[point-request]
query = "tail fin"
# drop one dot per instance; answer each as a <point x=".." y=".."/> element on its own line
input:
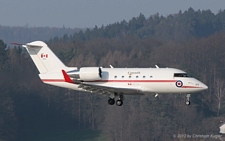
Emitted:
<point x="42" y="56"/>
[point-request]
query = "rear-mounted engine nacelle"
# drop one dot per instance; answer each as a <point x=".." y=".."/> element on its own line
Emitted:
<point x="86" y="73"/>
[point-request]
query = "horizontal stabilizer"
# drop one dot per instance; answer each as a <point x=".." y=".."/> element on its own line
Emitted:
<point x="32" y="45"/>
<point x="18" y="44"/>
<point x="27" y="45"/>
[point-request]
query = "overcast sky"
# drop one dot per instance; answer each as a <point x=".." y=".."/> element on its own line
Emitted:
<point x="88" y="13"/>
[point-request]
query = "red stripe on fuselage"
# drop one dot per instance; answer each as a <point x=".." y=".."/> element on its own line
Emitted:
<point x="62" y="80"/>
<point x="133" y="81"/>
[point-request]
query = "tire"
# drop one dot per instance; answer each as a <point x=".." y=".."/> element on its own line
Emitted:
<point x="111" y="101"/>
<point x="187" y="102"/>
<point x="119" y="102"/>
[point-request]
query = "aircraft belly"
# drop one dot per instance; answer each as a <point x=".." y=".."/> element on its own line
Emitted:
<point x="157" y="87"/>
<point x="112" y="85"/>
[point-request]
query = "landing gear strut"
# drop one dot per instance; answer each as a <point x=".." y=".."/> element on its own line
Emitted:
<point x="119" y="102"/>
<point x="188" y="99"/>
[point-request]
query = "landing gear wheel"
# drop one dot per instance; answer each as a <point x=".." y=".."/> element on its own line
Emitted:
<point x="188" y="103"/>
<point x="119" y="102"/>
<point x="111" y="101"/>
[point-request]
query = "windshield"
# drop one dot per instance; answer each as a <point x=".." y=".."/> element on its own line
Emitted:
<point x="181" y="75"/>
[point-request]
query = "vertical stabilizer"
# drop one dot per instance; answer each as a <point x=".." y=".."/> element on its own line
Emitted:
<point x="44" y="59"/>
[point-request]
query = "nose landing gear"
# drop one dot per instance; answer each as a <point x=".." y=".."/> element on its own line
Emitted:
<point x="188" y="99"/>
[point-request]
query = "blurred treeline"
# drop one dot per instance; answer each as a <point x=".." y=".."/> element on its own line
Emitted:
<point x="193" y="41"/>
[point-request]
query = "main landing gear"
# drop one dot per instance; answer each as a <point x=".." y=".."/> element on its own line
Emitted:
<point x="119" y="102"/>
<point x="188" y="99"/>
<point x="111" y="101"/>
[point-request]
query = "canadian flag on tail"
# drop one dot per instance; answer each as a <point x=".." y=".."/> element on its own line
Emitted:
<point x="44" y="56"/>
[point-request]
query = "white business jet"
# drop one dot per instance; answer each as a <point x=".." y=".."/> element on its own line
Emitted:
<point x="114" y="82"/>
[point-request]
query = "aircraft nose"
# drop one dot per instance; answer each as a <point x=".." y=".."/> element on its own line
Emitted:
<point x="205" y="87"/>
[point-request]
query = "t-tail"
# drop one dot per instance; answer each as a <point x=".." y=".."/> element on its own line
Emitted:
<point x="44" y="59"/>
<point x="48" y="64"/>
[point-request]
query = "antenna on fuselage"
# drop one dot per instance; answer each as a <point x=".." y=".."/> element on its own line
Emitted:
<point x="157" y="66"/>
<point x="111" y="66"/>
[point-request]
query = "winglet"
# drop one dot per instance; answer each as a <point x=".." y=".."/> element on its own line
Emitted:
<point x="66" y="77"/>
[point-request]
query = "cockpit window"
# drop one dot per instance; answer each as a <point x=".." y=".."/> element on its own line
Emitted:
<point x="181" y="75"/>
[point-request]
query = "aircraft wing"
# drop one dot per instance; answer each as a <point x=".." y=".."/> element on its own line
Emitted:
<point x="103" y="90"/>
<point x="109" y="90"/>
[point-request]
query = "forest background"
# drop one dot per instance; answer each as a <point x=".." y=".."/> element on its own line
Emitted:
<point x="193" y="41"/>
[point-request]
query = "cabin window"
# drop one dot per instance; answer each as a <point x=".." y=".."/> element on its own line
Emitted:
<point x="181" y="75"/>
<point x="129" y="76"/>
<point x="143" y="76"/>
<point x="136" y="76"/>
<point x="115" y="76"/>
<point x="122" y="76"/>
<point x="150" y="76"/>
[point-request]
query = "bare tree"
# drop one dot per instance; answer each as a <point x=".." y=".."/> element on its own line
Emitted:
<point x="219" y="92"/>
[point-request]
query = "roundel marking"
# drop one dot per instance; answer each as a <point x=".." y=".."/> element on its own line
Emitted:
<point x="179" y="83"/>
